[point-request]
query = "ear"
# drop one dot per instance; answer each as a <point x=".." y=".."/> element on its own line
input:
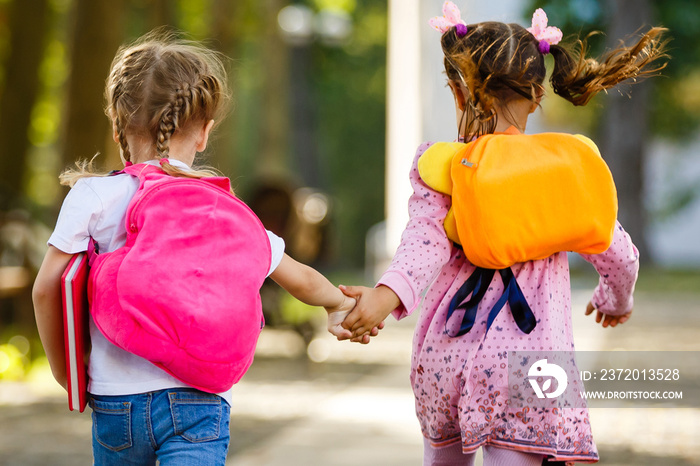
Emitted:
<point x="203" y="137"/>
<point x="115" y="133"/>
<point x="458" y="94"/>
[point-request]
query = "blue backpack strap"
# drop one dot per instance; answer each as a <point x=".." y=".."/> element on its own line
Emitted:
<point x="476" y="285"/>
<point x="519" y="308"/>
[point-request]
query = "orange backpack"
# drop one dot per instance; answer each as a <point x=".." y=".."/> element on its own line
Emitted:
<point x="517" y="197"/>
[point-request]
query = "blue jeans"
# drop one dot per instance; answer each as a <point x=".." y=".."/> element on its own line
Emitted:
<point x="179" y="426"/>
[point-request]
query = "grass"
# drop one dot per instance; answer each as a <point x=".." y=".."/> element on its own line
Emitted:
<point x="651" y="279"/>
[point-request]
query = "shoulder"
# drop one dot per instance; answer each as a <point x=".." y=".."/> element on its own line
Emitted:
<point x="588" y="141"/>
<point x="276" y="242"/>
<point x="434" y="164"/>
<point x="566" y="139"/>
<point x="276" y="250"/>
<point x="93" y="195"/>
<point x="107" y="187"/>
<point x="102" y="185"/>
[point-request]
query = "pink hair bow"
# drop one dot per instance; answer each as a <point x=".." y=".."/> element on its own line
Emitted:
<point x="450" y="17"/>
<point x="546" y="35"/>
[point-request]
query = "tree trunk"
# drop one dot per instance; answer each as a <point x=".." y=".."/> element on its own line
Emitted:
<point x="227" y="24"/>
<point x="625" y="126"/>
<point x="274" y="147"/>
<point x="162" y="13"/>
<point x="97" y="33"/>
<point x="27" y="25"/>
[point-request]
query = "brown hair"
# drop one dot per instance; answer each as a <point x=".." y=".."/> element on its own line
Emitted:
<point x="156" y="86"/>
<point x="497" y="62"/>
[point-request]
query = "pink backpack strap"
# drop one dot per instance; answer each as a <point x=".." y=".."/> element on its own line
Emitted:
<point x="93" y="249"/>
<point x="142" y="170"/>
<point x="145" y="172"/>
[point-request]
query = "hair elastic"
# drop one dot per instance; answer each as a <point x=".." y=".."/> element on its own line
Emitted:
<point x="450" y="18"/>
<point x="545" y="35"/>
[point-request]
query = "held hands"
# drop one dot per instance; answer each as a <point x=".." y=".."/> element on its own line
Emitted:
<point x="373" y="306"/>
<point x="607" y="320"/>
<point x="336" y="316"/>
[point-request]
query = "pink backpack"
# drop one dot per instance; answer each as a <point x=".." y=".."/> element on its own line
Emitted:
<point x="184" y="292"/>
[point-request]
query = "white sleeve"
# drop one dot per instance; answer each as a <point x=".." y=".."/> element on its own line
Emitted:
<point x="277" y="249"/>
<point x="80" y="210"/>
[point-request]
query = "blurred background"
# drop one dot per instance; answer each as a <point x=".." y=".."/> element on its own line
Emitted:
<point x="331" y="98"/>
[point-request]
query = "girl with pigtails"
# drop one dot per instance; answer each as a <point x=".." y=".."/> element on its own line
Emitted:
<point x="163" y="97"/>
<point x="483" y="255"/>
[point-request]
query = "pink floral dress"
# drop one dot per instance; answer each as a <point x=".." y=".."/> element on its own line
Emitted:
<point x="461" y="383"/>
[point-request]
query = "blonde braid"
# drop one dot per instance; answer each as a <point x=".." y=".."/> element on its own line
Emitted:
<point x="166" y="128"/>
<point x="121" y="136"/>
<point x="158" y="85"/>
<point x="179" y="110"/>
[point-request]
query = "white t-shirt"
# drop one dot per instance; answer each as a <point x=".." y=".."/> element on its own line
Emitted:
<point x="96" y="208"/>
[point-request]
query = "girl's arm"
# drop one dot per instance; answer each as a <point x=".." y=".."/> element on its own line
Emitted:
<point x="310" y="287"/>
<point x="423" y="251"/>
<point x="373" y="306"/>
<point x="46" y="295"/>
<point x="618" y="268"/>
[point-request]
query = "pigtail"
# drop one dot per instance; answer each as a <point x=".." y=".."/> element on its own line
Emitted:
<point x="480" y="112"/>
<point x="188" y="100"/>
<point x="121" y="137"/>
<point x="166" y="127"/>
<point x="578" y="79"/>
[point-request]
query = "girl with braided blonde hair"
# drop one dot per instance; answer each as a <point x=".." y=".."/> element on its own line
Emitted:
<point x="163" y="97"/>
<point x="157" y="86"/>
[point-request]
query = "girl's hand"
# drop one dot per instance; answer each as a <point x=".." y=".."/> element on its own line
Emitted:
<point x="364" y="339"/>
<point x="373" y="306"/>
<point x="336" y="316"/>
<point x="607" y="320"/>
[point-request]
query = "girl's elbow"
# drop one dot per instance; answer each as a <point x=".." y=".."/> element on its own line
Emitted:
<point x="41" y="295"/>
<point x="38" y="293"/>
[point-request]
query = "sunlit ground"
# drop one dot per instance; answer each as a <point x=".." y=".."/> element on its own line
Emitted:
<point x="339" y="403"/>
<point x="668" y="322"/>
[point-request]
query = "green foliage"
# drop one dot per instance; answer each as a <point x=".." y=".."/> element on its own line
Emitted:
<point x="194" y="16"/>
<point x="294" y="312"/>
<point x="350" y="84"/>
<point x="675" y="106"/>
<point x="44" y="131"/>
<point x="677" y="109"/>
<point x="344" y="5"/>
<point x="14" y="360"/>
<point x="651" y="280"/>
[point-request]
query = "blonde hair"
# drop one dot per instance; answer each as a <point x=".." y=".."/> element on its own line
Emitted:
<point x="497" y="62"/>
<point x="158" y="85"/>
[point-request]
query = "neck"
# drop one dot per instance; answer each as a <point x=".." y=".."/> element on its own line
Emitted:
<point x="514" y="113"/>
<point x="143" y="149"/>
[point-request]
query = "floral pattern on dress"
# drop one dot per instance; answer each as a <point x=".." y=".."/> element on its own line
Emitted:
<point x="461" y="384"/>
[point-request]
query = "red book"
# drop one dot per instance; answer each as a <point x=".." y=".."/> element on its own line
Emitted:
<point x="75" y="327"/>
